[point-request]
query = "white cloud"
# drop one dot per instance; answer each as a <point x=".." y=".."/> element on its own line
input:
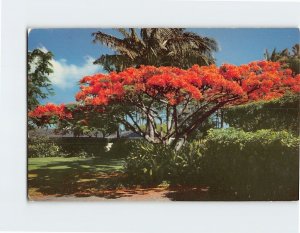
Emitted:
<point x="43" y="49"/>
<point x="67" y="75"/>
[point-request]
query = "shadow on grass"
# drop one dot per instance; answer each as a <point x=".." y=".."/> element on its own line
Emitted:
<point x="79" y="177"/>
<point x="98" y="177"/>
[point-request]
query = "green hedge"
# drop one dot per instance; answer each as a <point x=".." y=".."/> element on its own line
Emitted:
<point x="76" y="147"/>
<point x="236" y="165"/>
<point x="43" y="147"/>
<point x="263" y="165"/>
<point x="279" y="114"/>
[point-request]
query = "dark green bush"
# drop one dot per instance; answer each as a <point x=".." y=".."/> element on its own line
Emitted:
<point x="149" y="164"/>
<point x="262" y="165"/>
<point x="95" y="147"/>
<point x="44" y="147"/>
<point x="236" y="165"/>
<point x="92" y="146"/>
<point x="278" y="114"/>
<point x="77" y="147"/>
<point x="186" y="168"/>
<point x="120" y="148"/>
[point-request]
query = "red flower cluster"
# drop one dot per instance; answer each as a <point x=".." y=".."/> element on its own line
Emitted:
<point x="235" y="84"/>
<point x="256" y="80"/>
<point x="49" y="110"/>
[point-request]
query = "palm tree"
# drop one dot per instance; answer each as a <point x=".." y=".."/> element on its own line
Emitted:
<point x="288" y="59"/>
<point x="155" y="46"/>
<point x="296" y="50"/>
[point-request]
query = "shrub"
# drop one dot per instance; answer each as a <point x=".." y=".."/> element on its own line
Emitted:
<point x="262" y="165"/>
<point x="44" y="147"/>
<point x="279" y="114"/>
<point x="120" y="148"/>
<point x="149" y="164"/>
<point x="236" y="165"/>
<point x="91" y="146"/>
<point x="77" y="147"/>
<point x="186" y="167"/>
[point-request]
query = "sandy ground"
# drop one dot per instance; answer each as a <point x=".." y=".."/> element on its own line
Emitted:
<point x="150" y="194"/>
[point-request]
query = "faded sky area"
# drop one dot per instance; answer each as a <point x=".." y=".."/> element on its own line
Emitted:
<point x="74" y="51"/>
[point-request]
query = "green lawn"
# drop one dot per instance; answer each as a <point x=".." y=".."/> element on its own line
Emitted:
<point x="95" y="164"/>
<point x="93" y="177"/>
<point x="73" y="176"/>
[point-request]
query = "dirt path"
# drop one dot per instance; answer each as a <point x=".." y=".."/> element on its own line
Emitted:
<point x="149" y="194"/>
<point x="134" y="194"/>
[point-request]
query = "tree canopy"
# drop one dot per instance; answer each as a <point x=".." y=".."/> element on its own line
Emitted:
<point x="39" y="68"/>
<point x="179" y="99"/>
<point x="155" y="46"/>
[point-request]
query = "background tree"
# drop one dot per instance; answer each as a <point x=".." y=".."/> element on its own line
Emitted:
<point x="155" y="46"/>
<point x="180" y="99"/>
<point x="39" y="68"/>
<point x="289" y="59"/>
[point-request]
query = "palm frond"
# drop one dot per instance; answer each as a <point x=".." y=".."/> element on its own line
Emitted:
<point x="285" y="52"/>
<point x="296" y="50"/>
<point x="123" y="32"/>
<point x="158" y="46"/>
<point x="113" y="62"/>
<point x="114" y="43"/>
<point x="134" y="35"/>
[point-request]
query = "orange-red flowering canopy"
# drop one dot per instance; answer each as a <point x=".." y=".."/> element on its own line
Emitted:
<point x="180" y="99"/>
<point x="254" y="81"/>
<point x="46" y="112"/>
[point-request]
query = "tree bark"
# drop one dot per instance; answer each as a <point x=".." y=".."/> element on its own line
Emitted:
<point x="118" y="133"/>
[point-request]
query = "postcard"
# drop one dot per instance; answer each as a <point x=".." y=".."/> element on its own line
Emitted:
<point x="163" y="114"/>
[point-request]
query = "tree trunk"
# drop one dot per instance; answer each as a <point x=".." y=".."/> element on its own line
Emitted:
<point x="222" y="118"/>
<point x="151" y="127"/>
<point x="180" y="142"/>
<point x="175" y="120"/>
<point x="118" y="133"/>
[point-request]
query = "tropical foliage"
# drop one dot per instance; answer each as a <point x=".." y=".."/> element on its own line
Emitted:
<point x="289" y="59"/>
<point x="234" y="164"/>
<point x="155" y="46"/>
<point x="39" y="68"/>
<point x="180" y="99"/>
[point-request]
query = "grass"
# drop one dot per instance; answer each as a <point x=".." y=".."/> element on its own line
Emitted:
<point x="93" y="177"/>
<point x="96" y="164"/>
<point x="73" y="176"/>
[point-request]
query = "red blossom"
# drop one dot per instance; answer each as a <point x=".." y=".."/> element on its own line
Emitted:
<point x="248" y="82"/>
<point x="50" y="110"/>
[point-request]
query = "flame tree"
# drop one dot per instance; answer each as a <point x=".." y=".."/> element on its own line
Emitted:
<point x="172" y="102"/>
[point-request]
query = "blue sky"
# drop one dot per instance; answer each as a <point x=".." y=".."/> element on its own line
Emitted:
<point x="74" y="51"/>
